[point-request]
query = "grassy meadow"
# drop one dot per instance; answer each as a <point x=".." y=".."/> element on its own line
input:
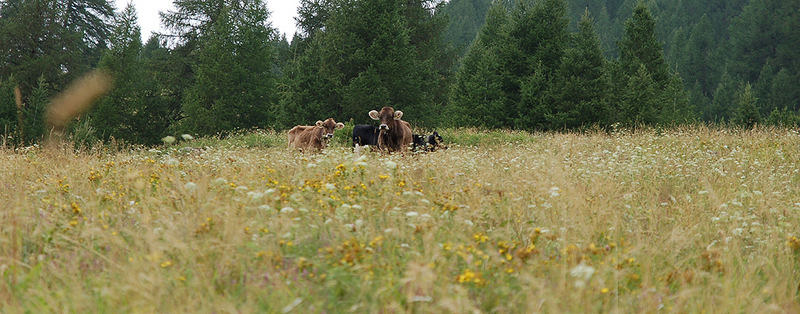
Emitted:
<point x="683" y="220"/>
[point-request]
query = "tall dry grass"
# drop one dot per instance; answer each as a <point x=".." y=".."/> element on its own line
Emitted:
<point x="687" y="220"/>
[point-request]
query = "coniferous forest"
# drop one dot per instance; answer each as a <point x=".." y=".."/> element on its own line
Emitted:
<point x="535" y="65"/>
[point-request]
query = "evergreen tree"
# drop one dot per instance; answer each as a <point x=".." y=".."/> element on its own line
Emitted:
<point x="365" y="58"/>
<point x="466" y="19"/>
<point x="8" y="109"/>
<point x="539" y="37"/>
<point x="477" y="97"/>
<point x="640" y="101"/>
<point x="233" y="61"/>
<point x="33" y="113"/>
<point x="723" y="100"/>
<point x="674" y="103"/>
<point x="57" y="39"/>
<point x="784" y="91"/>
<point x="114" y="115"/>
<point x="582" y="87"/>
<point x="639" y="46"/>
<point x="747" y="114"/>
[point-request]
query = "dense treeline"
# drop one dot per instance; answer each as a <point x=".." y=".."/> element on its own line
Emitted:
<point x="530" y="64"/>
<point x="717" y="47"/>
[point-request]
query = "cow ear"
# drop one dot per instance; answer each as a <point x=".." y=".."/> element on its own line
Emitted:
<point x="339" y="126"/>
<point x="374" y="115"/>
<point x="319" y="123"/>
<point x="398" y="115"/>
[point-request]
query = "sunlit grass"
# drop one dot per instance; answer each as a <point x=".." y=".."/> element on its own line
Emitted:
<point x="687" y="220"/>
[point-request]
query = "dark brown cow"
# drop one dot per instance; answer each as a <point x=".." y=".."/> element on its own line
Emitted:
<point x="305" y="137"/>
<point x="394" y="134"/>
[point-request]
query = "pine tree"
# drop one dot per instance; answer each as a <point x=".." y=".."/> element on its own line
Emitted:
<point x="539" y="37"/>
<point x="722" y="104"/>
<point x="34" y="111"/>
<point x="582" y="86"/>
<point x="233" y="62"/>
<point x="747" y="114"/>
<point x="641" y="101"/>
<point x="784" y="92"/>
<point x="364" y="59"/>
<point x="477" y="97"/>
<point x="8" y="110"/>
<point x="640" y="46"/>
<point x="114" y="115"/>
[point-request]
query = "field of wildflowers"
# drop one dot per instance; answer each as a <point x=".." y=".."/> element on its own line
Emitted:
<point x="686" y="220"/>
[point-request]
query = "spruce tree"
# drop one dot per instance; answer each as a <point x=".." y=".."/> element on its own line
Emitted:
<point x="722" y="104"/>
<point x="582" y="84"/>
<point x="539" y="37"/>
<point x="641" y="99"/>
<point x="640" y="46"/>
<point x="33" y="112"/>
<point x="8" y="110"/>
<point x="747" y="114"/>
<point x="477" y="97"/>
<point x="233" y="61"/>
<point x="114" y="115"/>
<point x="365" y="58"/>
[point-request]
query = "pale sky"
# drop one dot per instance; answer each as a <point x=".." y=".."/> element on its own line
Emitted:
<point x="282" y="13"/>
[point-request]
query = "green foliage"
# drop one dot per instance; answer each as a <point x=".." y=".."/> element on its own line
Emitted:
<point x="370" y="54"/>
<point x="639" y="46"/>
<point x="467" y="17"/>
<point x="33" y="113"/>
<point x="746" y="114"/>
<point x="783" y="117"/>
<point x="8" y="110"/>
<point x="721" y="108"/>
<point x="477" y="96"/>
<point x="583" y="85"/>
<point x="234" y="84"/>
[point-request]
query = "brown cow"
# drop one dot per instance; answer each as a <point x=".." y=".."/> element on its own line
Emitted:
<point x="394" y="134"/>
<point x="305" y="137"/>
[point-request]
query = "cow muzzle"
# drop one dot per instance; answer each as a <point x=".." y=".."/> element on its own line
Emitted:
<point x="383" y="126"/>
<point x="329" y="135"/>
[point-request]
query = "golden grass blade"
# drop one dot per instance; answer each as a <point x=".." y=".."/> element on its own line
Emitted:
<point x="76" y="99"/>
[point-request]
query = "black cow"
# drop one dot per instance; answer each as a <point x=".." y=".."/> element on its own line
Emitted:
<point x="364" y="134"/>
<point x="427" y="142"/>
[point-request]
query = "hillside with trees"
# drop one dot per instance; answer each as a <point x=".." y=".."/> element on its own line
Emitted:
<point x="221" y="66"/>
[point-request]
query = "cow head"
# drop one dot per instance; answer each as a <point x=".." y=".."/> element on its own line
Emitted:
<point x="387" y="116"/>
<point x="328" y="127"/>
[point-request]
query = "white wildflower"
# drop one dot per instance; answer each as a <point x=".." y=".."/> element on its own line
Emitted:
<point x="168" y="139"/>
<point x="287" y="210"/>
<point x="171" y="162"/>
<point x="187" y="137"/>
<point x="255" y="195"/>
<point x="190" y="186"/>
<point x="582" y="273"/>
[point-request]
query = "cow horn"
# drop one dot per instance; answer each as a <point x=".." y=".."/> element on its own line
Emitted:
<point x="374" y="115"/>
<point x="398" y="115"/>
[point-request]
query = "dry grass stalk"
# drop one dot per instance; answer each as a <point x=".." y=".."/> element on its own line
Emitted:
<point x="76" y="99"/>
